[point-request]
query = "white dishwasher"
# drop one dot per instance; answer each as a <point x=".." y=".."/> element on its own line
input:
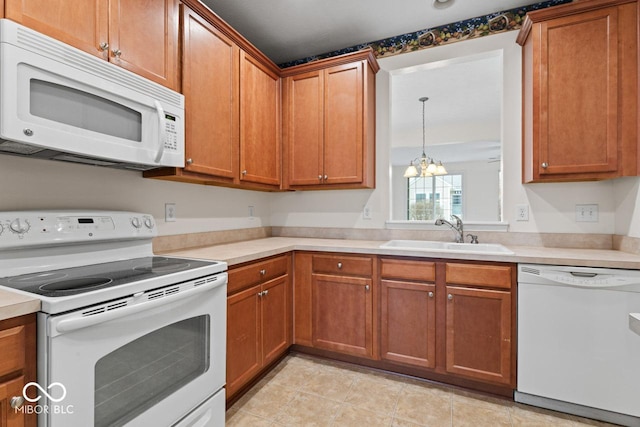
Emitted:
<point x="578" y="349"/>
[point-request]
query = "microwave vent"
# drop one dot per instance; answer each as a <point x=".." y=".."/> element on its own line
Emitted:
<point x="18" y="148"/>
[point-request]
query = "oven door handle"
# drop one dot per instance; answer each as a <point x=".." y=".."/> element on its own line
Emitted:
<point x="68" y="325"/>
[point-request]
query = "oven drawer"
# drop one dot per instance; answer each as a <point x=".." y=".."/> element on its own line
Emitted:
<point x="261" y="271"/>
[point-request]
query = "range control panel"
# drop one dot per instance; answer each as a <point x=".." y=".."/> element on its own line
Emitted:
<point x="21" y="229"/>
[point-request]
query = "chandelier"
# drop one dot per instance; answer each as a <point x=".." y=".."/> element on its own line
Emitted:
<point x="427" y="166"/>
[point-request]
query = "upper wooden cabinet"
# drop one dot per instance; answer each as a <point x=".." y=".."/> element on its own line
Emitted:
<point x="580" y="81"/>
<point x="259" y="122"/>
<point x="329" y="123"/>
<point x="139" y="36"/>
<point x="232" y="108"/>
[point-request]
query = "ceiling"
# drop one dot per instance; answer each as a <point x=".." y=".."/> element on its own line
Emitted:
<point x="287" y="30"/>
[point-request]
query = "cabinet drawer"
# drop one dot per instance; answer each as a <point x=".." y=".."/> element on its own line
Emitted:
<point x="343" y="265"/>
<point x="490" y="276"/>
<point x="421" y="271"/>
<point x="12" y="343"/>
<point x="248" y="275"/>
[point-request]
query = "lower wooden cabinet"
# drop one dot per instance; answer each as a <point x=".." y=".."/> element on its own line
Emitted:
<point x="17" y="368"/>
<point x="258" y="319"/>
<point x="335" y="303"/>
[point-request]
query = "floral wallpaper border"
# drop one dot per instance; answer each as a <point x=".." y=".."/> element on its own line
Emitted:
<point x="450" y="33"/>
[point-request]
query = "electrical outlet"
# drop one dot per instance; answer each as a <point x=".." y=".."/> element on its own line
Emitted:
<point x="586" y="213"/>
<point x="170" y="212"/>
<point x="366" y="212"/>
<point x="522" y="212"/>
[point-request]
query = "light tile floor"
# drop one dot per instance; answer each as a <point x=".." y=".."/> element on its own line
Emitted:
<point x="305" y="391"/>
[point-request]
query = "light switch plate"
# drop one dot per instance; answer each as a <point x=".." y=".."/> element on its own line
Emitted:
<point x="586" y="213"/>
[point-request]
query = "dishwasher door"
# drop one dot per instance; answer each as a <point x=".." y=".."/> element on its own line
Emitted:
<point x="576" y="350"/>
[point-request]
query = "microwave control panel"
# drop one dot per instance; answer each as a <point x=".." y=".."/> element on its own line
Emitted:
<point x="171" y="138"/>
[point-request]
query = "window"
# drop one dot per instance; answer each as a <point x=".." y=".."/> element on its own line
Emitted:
<point x="432" y="197"/>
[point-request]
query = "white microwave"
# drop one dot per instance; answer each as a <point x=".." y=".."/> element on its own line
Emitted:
<point x="60" y="103"/>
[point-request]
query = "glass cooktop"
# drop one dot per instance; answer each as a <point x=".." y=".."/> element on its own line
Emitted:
<point x="78" y="280"/>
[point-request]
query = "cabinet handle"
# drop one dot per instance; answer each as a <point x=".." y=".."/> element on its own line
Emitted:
<point x="450" y="297"/>
<point x="16" y="402"/>
<point x="244" y="172"/>
<point x="430" y="294"/>
<point x="265" y="293"/>
<point x="263" y="272"/>
<point x="260" y="294"/>
<point x="104" y="46"/>
<point x="366" y="287"/>
<point x="545" y="165"/>
<point x="326" y="177"/>
<point x="339" y="265"/>
<point x="116" y="53"/>
<point x="189" y="161"/>
<point x="320" y="177"/>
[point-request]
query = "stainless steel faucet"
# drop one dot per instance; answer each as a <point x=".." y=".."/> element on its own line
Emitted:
<point x="457" y="227"/>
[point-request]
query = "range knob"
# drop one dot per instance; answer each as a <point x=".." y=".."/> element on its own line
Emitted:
<point x="1" y="228"/>
<point x="135" y="221"/>
<point x="19" y="226"/>
<point x="148" y="222"/>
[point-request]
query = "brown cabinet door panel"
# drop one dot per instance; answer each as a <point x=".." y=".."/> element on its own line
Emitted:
<point x="478" y="334"/>
<point x="146" y="35"/>
<point x="343" y="107"/>
<point x="244" y="358"/>
<point x="408" y="323"/>
<point x="259" y="122"/>
<point x="8" y="416"/>
<point x="81" y="24"/>
<point x="304" y="128"/>
<point x="342" y="314"/>
<point x="275" y="319"/>
<point x="210" y="76"/>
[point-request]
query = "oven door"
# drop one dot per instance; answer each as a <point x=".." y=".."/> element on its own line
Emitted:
<point x="150" y="367"/>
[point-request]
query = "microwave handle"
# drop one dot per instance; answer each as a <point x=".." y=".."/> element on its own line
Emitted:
<point x="162" y="130"/>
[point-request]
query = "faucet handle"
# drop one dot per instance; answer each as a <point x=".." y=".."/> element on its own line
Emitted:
<point x="474" y="238"/>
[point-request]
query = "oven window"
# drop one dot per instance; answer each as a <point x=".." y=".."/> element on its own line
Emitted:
<point x="135" y="377"/>
<point x="83" y="110"/>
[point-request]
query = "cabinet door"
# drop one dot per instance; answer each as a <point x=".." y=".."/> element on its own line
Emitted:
<point x="210" y="85"/>
<point x="259" y="122"/>
<point x="343" y="109"/>
<point x="408" y="323"/>
<point x="577" y="106"/>
<point x="81" y="24"/>
<point x="244" y="358"/>
<point x="276" y="324"/>
<point x="303" y="128"/>
<point x="342" y="314"/>
<point x="478" y="336"/>
<point x="143" y="38"/>
<point x="9" y="417"/>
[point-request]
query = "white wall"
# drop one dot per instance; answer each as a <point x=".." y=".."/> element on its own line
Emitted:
<point x="44" y="184"/>
<point x="551" y="206"/>
<point x="627" y="203"/>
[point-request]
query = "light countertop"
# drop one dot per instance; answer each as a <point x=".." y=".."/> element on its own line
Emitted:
<point x="13" y="304"/>
<point x="240" y="252"/>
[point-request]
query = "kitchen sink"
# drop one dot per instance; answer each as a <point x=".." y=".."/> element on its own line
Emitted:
<point x="433" y="246"/>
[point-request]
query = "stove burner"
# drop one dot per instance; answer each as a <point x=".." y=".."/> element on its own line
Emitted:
<point x="38" y="277"/>
<point x="163" y="265"/>
<point x="76" y="285"/>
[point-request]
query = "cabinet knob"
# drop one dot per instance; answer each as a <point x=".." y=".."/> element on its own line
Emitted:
<point x="116" y="53"/>
<point x="16" y="402"/>
<point x="326" y="177"/>
<point x="339" y="265"/>
<point x="244" y="172"/>
<point x="260" y="293"/>
<point x="265" y="293"/>
<point x="263" y="272"/>
<point x="104" y="46"/>
<point x="320" y="177"/>
<point x="430" y="294"/>
<point x="366" y="287"/>
<point x="450" y="297"/>
<point x="545" y="165"/>
<point x="189" y="161"/>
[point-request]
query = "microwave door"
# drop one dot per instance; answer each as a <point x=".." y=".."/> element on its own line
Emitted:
<point x="49" y="104"/>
